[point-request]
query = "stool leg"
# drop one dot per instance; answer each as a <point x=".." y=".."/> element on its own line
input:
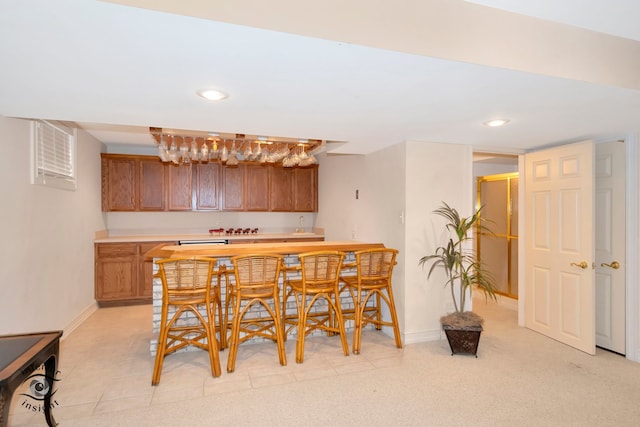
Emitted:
<point x="341" y="330"/>
<point x="278" y="329"/>
<point x="162" y="341"/>
<point x="212" y="342"/>
<point x="302" y="330"/>
<point x="235" y="336"/>
<point x="357" y="320"/>
<point x="394" y="318"/>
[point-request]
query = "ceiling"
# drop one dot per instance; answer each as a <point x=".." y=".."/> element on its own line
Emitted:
<point x="361" y="75"/>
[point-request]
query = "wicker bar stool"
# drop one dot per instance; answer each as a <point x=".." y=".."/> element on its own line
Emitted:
<point x="320" y="272"/>
<point x="372" y="282"/>
<point x="255" y="287"/>
<point x="187" y="288"/>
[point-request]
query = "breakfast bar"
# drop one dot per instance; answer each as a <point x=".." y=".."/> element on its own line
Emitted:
<point x="223" y="253"/>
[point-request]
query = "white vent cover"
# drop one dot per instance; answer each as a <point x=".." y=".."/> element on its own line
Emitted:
<point x="53" y="155"/>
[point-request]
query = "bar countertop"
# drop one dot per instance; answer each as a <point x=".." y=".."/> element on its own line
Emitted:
<point x="164" y="251"/>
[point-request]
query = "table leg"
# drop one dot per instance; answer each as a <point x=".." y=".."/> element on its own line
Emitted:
<point x="50" y="368"/>
<point x="5" y="400"/>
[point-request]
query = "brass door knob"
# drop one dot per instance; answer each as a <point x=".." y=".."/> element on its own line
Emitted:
<point x="615" y="265"/>
<point x="582" y="264"/>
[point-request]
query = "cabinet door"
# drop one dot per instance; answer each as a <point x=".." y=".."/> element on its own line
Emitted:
<point x="280" y="189"/>
<point x="116" y="271"/>
<point x="152" y="185"/>
<point x="119" y="184"/>
<point x="305" y="189"/>
<point x="257" y="188"/>
<point x="233" y="188"/>
<point x="207" y="186"/>
<point x="145" y="268"/>
<point x="179" y="188"/>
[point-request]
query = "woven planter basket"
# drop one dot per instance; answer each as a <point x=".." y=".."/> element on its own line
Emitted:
<point x="463" y="341"/>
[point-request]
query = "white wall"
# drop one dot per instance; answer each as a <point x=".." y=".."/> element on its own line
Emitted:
<point x="339" y="177"/>
<point x="47" y="249"/>
<point x="384" y="201"/>
<point x="435" y="173"/>
<point x="411" y="178"/>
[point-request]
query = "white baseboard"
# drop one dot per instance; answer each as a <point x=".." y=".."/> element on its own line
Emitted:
<point x="84" y="314"/>
<point x="422" y="336"/>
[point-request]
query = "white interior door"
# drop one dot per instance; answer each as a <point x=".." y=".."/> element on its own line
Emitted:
<point x="610" y="246"/>
<point x="559" y="249"/>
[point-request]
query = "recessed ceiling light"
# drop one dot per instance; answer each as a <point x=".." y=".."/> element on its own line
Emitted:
<point x="496" y="122"/>
<point x="212" y="94"/>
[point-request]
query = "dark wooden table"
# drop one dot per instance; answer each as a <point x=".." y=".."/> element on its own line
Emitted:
<point x="20" y="356"/>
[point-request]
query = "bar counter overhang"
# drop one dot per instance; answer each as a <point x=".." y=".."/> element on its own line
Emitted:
<point x="287" y="248"/>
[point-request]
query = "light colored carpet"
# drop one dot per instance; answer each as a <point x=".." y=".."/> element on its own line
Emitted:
<point x="519" y="378"/>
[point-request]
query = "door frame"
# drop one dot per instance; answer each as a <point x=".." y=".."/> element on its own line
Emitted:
<point x="632" y="245"/>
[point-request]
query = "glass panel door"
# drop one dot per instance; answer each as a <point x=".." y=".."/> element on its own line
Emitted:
<point x="498" y="194"/>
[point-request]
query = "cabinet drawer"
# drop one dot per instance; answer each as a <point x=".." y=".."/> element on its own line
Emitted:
<point x="116" y="249"/>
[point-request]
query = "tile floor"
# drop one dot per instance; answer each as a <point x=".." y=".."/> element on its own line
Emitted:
<point x="105" y="366"/>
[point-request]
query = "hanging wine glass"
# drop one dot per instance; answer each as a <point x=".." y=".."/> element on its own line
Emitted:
<point x="273" y="155"/>
<point x="214" y="152"/>
<point x="174" y="156"/>
<point x="303" y="157"/>
<point x="204" y="151"/>
<point x="264" y="154"/>
<point x="224" y="153"/>
<point x="194" y="153"/>
<point x="248" y="154"/>
<point x="163" y="151"/>
<point x="233" y="155"/>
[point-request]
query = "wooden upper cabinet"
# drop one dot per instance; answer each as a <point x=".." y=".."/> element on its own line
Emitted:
<point x="233" y="188"/>
<point x="152" y="185"/>
<point x="119" y="184"/>
<point x="207" y="186"/>
<point x="180" y="187"/>
<point x="280" y="189"/>
<point x="257" y="190"/>
<point x="143" y="183"/>
<point x="305" y="189"/>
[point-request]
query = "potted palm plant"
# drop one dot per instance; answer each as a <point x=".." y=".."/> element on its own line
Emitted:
<point x="464" y="271"/>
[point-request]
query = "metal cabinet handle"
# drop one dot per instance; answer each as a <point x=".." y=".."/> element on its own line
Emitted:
<point x="583" y="264"/>
<point x="615" y="265"/>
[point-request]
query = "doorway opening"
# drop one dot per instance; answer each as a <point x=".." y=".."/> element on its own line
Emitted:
<point x="498" y="196"/>
<point x="496" y="189"/>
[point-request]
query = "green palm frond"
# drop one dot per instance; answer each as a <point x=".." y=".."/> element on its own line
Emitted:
<point x="461" y="266"/>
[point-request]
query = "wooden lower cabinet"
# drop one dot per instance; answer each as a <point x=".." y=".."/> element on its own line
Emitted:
<point x="122" y="274"/>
